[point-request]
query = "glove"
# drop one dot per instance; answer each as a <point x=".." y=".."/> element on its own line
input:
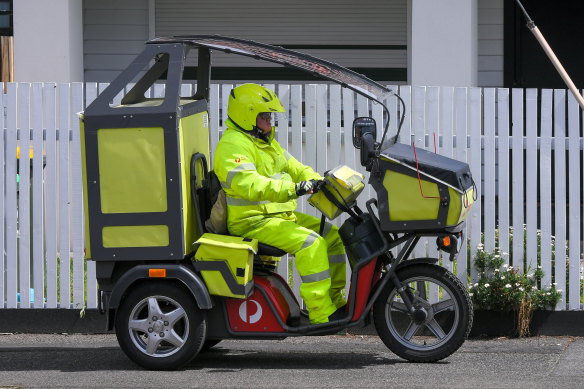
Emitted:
<point x="304" y="187"/>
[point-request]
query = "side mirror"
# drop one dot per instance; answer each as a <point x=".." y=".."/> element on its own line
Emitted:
<point x="362" y="126"/>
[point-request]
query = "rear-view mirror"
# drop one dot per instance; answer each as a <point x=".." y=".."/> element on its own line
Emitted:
<point x="362" y="126"/>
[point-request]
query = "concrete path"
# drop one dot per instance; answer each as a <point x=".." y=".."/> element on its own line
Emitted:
<point x="59" y="361"/>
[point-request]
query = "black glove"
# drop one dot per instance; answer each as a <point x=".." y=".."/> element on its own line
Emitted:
<point x="304" y="187"/>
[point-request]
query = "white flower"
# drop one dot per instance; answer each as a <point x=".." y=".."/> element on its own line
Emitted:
<point x="497" y="255"/>
<point x="558" y="290"/>
<point x="548" y="293"/>
<point x="470" y="294"/>
<point x="539" y="266"/>
<point x="496" y="270"/>
<point x="505" y="254"/>
<point x="517" y="284"/>
<point x="555" y="283"/>
<point x="510" y="268"/>
<point x="476" y="284"/>
<point x="505" y="266"/>
<point x="508" y="286"/>
<point x="487" y="285"/>
<point x="503" y="277"/>
<point x="521" y="289"/>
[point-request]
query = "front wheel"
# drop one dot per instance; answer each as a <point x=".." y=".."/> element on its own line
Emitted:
<point x="159" y="325"/>
<point x="442" y="319"/>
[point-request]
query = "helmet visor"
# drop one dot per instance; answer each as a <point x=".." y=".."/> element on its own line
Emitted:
<point x="274" y="118"/>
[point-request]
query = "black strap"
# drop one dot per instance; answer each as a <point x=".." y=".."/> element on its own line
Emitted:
<point x="328" y="194"/>
<point x="322" y="221"/>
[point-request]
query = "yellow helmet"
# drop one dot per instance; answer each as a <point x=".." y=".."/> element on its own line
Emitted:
<point x="247" y="101"/>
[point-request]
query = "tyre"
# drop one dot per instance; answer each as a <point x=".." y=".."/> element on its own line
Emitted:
<point x="442" y="320"/>
<point x="209" y="344"/>
<point x="159" y="326"/>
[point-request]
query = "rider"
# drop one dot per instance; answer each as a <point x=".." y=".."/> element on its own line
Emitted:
<point x="261" y="182"/>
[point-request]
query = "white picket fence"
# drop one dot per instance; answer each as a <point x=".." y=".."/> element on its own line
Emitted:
<point x="42" y="235"/>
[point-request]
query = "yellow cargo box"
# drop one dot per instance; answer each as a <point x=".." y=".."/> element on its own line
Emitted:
<point x="226" y="264"/>
<point x="345" y="184"/>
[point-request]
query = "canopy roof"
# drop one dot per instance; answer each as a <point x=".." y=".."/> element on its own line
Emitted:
<point x="317" y="67"/>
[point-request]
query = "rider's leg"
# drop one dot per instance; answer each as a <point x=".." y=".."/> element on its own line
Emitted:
<point x="310" y="251"/>
<point x="335" y="252"/>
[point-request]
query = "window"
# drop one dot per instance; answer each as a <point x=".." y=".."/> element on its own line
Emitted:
<point x="6" y="25"/>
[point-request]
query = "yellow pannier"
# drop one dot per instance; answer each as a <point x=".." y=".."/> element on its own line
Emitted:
<point x="226" y="264"/>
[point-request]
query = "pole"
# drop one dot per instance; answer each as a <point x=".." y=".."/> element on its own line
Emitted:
<point x="549" y="52"/>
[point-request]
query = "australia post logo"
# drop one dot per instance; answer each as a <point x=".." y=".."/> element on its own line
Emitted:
<point x="250" y="311"/>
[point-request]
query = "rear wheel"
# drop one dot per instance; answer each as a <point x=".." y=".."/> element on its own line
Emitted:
<point x="441" y="322"/>
<point x="209" y="344"/>
<point x="159" y="326"/>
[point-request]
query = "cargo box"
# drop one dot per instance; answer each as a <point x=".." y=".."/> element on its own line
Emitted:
<point x="226" y="264"/>
<point x="342" y="182"/>
<point x="421" y="190"/>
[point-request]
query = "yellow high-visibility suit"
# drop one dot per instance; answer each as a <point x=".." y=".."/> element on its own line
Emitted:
<point x="259" y="179"/>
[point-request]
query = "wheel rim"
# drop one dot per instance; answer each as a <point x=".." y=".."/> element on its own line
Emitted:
<point x="437" y="328"/>
<point x="158" y="326"/>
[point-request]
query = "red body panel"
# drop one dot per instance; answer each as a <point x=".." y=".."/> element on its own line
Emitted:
<point x="254" y="314"/>
<point x="364" y="285"/>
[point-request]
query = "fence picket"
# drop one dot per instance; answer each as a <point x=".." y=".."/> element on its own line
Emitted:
<point x="446" y="126"/>
<point x="574" y="202"/>
<point x="475" y="124"/>
<point x="11" y="198"/>
<point x="560" y="193"/>
<point x="419" y="129"/>
<point x="77" y="226"/>
<point x="38" y="251"/>
<point x="51" y="226"/>
<point x="23" y="195"/>
<point x="517" y="183"/>
<point x="460" y="115"/>
<point x="545" y="187"/>
<point x="64" y="201"/>
<point x="489" y="169"/>
<point x="531" y="262"/>
<point x="503" y="170"/>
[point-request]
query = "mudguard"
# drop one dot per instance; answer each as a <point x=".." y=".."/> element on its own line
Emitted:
<point x="172" y="272"/>
<point x="416" y="261"/>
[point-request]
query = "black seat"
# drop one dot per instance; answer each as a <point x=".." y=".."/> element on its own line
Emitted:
<point x="204" y="194"/>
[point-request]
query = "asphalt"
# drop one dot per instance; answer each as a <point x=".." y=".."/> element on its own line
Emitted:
<point x="61" y="361"/>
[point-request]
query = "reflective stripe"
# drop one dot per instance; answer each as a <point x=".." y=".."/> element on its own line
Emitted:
<point x="242" y="202"/>
<point x="310" y="239"/>
<point x="340" y="258"/>
<point x="233" y="172"/>
<point x="323" y="275"/>
<point x="287" y="155"/>
<point x="327" y="228"/>
<point x="277" y="176"/>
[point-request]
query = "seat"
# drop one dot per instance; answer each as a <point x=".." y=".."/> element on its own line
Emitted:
<point x="204" y="194"/>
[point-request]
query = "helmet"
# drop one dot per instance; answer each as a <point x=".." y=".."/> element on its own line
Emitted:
<point x="247" y="101"/>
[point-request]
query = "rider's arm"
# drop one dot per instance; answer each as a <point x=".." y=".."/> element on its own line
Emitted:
<point x="235" y="167"/>
<point x="298" y="171"/>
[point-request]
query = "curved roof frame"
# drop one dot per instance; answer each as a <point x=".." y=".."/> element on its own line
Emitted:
<point x="315" y="66"/>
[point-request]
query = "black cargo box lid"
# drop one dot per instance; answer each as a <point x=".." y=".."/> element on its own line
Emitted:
<point x="447" y="170"/>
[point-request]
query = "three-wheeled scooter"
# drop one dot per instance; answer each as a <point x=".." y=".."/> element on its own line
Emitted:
<point x="170" y="288"/>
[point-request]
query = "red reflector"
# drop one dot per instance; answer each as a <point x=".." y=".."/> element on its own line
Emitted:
<point x="156" y="272"/>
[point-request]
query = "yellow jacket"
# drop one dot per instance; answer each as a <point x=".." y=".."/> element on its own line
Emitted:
<point x="258" y="178"/>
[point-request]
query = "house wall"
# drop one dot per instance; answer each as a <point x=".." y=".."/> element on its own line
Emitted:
<point x="47" y="41"/>
<point x="114" y="32"/>
<point x="490" y="42"/>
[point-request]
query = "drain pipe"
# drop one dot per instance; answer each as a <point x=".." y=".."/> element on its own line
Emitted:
<point x="549" y="52"/>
